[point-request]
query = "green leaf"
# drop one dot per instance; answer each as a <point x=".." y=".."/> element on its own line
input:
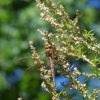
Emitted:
<point x="80" y="51"/>
<point x="59" y="2"/>
<point x="88" y="33"/>
<point x="69" y="25"/>
<point x="60" y="92"/>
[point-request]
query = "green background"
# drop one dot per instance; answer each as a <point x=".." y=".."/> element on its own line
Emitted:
<point x="19" y="21"/>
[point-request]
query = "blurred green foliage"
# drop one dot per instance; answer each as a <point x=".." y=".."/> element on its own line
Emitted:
<point x="19" y="21"/>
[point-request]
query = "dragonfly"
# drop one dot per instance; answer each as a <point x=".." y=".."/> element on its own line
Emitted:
<point x="27" y="58"/>
<point x="50" y="51"/>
